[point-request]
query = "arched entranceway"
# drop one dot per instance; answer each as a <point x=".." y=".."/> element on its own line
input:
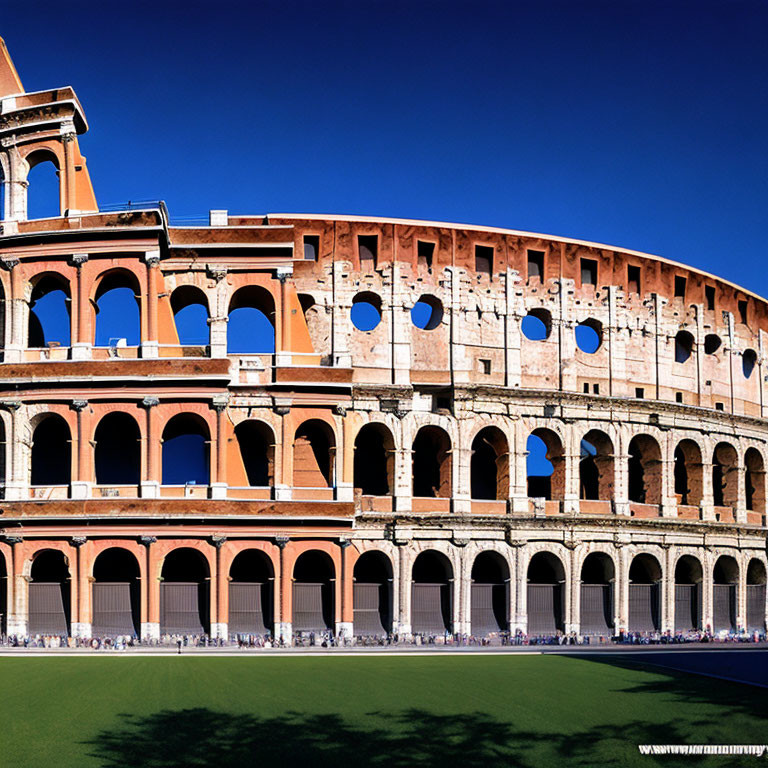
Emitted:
<point x="644" y="470"/>
<point x="49" y="594"/>
<point x="598" y="576"/>
<point x="688" y="579"/>
<point x="596" y="467"/>
<point x="489" y="601"/>
<point x="251" y="590"/>
<point x="117" y="453"/>
<point x="374" y="465"/>
<point x="756" y="595"/>
<point x="489" y="467"/>
<point x="314" y="578"/>
<point x="546" y="596"/>
<point x="644" y="594"/>
<point x="545" y="465"/>
<point x="185" y="593"/>
<point x="116" y="594"/>
<point x="51" y="456"/>
<point x="432" y="463"/>
<point x="725" y="577"/>
<point x="432" y="594"/>
<point x="372" y="600"/>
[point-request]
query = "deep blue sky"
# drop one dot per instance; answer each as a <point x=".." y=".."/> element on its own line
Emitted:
<point x="638" y="124"/>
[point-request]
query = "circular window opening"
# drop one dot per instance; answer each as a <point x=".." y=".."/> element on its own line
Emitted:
<point x="712" y="343"/>
<point x="366" y="311"/>
<point x="748" y="361"/>
<point x="537" y="325"/>
<point x="427" y="313"/>
<point x="589" y="336"/>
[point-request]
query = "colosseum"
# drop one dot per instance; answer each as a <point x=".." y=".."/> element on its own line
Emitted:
<point x="419" y="427"/>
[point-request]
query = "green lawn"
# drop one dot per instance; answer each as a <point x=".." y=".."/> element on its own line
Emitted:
<point x="383" y="711"/>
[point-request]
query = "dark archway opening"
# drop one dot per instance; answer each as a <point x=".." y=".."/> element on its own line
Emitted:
<point x="725" y="476"/>
<point x="432" y="594"/>
<point x="251" y="326"/>
<point x="256" y="442"/>
<point x="546" y="595"/>
<point x="116" y="594"/>
<point x="372" y="601"/>
<point x="51" y="452"/>
<point x="756" y="595"/>
<point x="117" y="455"/>
<point x="186" y="451"/>
<point x="489" y="469"/>
<point x="314" y="449"/>
<point x="490" y="595"/>
<point x="598" y="576"/>
<point x="725" y="577"/>
<point x="49" y="313"/>
<point x="374" y="467"/>
<point x="545" y="465"/>
<point x="44" y="186"/>
<point x="432" y="463"/>
<point x="118" y="311"/>
<point x="191" y="316"/>
<point x="251" y="594"/>
<point x="596" y="467"/>
<point x="688" y="473"/>
<point x="688" y="580"/>
<point x="644" y="470"/>
<point x="644" y="594"/>
<point x="754" y="480"/>
<point x="4" y="584"/>
<point x="50" y="594"/>
<point x="313" y="593"/>
<point x="185" y="593"/>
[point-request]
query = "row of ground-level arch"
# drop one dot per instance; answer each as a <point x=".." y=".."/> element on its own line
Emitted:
<point x="251" y="605"/>
<point x="724" y="477"/>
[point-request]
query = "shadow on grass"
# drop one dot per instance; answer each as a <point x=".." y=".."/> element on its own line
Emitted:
<point x="201" y="738"/>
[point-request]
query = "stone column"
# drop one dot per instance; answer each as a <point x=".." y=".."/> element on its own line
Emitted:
<point x="740" y="513"/>
<point x="150" y="476"/>
<point x="520" y="577"/>
<point x="707" y="491"/>
<point x="668" y="590"/>
<point x="345" y="457"/>
<point x="518" y="475"/>
<point x="621" y="598"/>
<point x="16" y="468"/>
<point x="283" y="627"/>
<point x="81" y="341"/>
<point x="404" y="622"/>
<point x="283" y="335"/>
<point x="284" y="488"/>
<point x="219" y="455"/>
<point x="339" y="318"/>
<point x="707" y="593"/>
<point x="17" y="619"/>
<point x="219" y="603"/>
<point x="400" y="331"/>
<point x="150" y="629"/>
<point x="219" y="318"/>
<point x="512" y="338"/>
<point x="150" y="345"/>
<point x="573" y="586"/>
<point x="621" y="474"/>
<point x="82" y="481"/>
<point x="345" y="626"/>
<point x="461" y="477"/>
<point x="81" y="625"/>
<point x="14" y="316"/>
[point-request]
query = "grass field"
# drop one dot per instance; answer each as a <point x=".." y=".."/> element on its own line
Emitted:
<point x="200" y="712"/>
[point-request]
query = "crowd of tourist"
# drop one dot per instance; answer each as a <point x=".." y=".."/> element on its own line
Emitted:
<point x="327" y="639"/>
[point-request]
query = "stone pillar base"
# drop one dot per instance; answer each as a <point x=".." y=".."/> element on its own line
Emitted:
<point x="462" y="505"/>
<point x="150" y="490"/>
<point x="15" y="491"/>
<point x="283" y="493"/>
<point x="13" y="354"/>
<point x="622" y="508"/>
<point x="81" y="351"/>
<point x="150" y="350"/>
<point x="283" y="359"/>
<point x="284" y="631"/>
<point x="345" y="492"/>
<point x="17" y="625"/>
<point x="150" y="630"/>
<point x="218" y="350"/>
<point x="220" y="631"/>
<point x="402" y="628"/>
<point x="219" y="490"/>
<point x="82" y="629"/>
<point x="571" y="506"/>
<point x="344" y="629"/>
<point x="518" y="505"/>
<point x="80" y="489"/>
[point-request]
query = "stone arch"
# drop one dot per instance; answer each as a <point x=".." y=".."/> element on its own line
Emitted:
<point x="185" y="592"/>
<point x="545" y="464"/>
<point x="251" y="326"/>
<point x="186" y="450"/>
<point x="489" y="598"/>
<point x="374" y="463"/>
<point x="545" y="580"/>
<point x="689" y="576"/>
<point x="117" y="306"/>
<point x="754" y="480"/>
<point x="596" y="470"/>
<point x="644" y="470"/>
<point x="314" y="599"/>
<point x="49" y="316"/>
<point x="251" y="593"/>
<point x="756" y="580"/>
<point x="432" y="463"/>
<point x="39" y="158"/>
<point x="373" y="577"/>
<point x="432" y="578"/>
<point x="597" y="594"/>
<point x="489" y="465"/>
<point x="314" y="455"/>
<point x="116" y="593"/>
<point x="191" y="315"/>
<point x="688" y="473"/>
<point x="117" y="450"/>
<point x="50" y="593"/>
<point x="645" y="575"/>
<point x="725" y="476"/>
<point x="51" y="454"/>
<point x="725" y="598"/>
<point x="256" y="443"/>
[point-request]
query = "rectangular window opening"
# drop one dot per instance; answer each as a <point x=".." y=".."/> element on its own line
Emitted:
<point x="485" y="366"/>
<point x="311" y="247"/>
<point x="719" y="407"/>
<point x="588" y="272"/>
<point x="678" y="397"/>
<point x="633" y="279"/>
<point x="483" y="260"/>
<point x="709" y="295"/>
<point x="586" y="387"/>
<point x="368" y="249"/>
<point x="743" y="309"/>
<point x="536" y="265"/>
<point x="595" y="389"/>
<point x="639" y="393"/>
<point x="680" y="287"/>
<point x="424" y="254"/>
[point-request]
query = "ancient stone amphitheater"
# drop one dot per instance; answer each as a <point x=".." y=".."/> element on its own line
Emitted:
<point x="425" y="427"/>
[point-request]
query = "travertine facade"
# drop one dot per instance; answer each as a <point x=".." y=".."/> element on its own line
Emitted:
<point x="398" y="440"/>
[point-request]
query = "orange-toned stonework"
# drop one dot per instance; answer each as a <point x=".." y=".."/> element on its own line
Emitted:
<point x="380" y="446"/>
